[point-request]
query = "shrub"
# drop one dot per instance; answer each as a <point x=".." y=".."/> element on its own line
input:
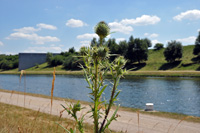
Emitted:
<point x="158" y="46"/>
<point x="71" y="62"/>
<point x="57" y="60"/>
<point x="49" y="58"/>
<point x="173" y="51"/>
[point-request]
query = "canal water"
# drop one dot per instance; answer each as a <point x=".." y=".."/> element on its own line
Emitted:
<point x="179" y="95"/>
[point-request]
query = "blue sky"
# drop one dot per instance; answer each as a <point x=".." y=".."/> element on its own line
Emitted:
<point x="57" y="25"/>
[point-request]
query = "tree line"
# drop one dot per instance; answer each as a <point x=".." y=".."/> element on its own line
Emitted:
<point x="8" y="62"/>
<point x="135" y="50"/>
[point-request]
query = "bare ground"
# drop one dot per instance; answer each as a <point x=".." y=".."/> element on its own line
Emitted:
<point x="127" y="122"/>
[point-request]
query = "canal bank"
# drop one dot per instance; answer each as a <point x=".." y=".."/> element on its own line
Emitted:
<point x="169" y="94"/>
<point x="129" y="74"/>
<point x="128" y="121"/>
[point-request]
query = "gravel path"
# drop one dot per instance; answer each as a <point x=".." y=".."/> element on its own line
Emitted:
<point x="127" y="122"/>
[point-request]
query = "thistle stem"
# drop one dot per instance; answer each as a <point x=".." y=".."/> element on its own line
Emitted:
<point x="109" y="106"/>
<point x="95" y="97"/>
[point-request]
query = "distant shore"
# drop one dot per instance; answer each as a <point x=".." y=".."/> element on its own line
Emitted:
<point x="189" y="73"/>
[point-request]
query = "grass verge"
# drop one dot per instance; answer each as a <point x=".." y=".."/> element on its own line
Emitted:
<point x="18" y="119"/>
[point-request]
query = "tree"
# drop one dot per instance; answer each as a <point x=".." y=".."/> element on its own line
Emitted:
<point x="57" y="60"/>
<point x="93" y="42"/>
<point x="49" y="57"/>
<point x="158" y="46"/>
<point x="149" y="44"/>
<point x="173" y="51"/>
<point x="72" y="50"/>
<point x="123" y="48"/>
<point x="130" y="48"/>
<point x="114" y="47"/>
<point x="196" y="49"/>
<point x="140" y="50"/>
<point x="71" y="62"/>
<point x="137" y="50"/>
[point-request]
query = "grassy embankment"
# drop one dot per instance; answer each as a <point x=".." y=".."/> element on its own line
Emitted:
<point x="155" y="66"/>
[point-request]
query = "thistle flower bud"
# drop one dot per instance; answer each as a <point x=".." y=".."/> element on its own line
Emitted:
<point x="102" y="29"/>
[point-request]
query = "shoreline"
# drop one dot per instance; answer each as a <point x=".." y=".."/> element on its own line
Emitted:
<point x="177" y="116"/>
<point x="129" y="74"/>
<point x="126" y="122"/>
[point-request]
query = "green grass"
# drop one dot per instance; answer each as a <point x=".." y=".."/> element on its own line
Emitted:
<point x="156" y="61"/>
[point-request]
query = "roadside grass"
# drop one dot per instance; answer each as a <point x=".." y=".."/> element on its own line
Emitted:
<point x="156" y="113"/>
<point x="18" y="119"/>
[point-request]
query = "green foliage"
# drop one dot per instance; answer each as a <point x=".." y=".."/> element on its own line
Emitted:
<point x="173" y="51"/>
<point x="129" y="53"/>
<point x="57" y="60"/>
<point x="114" y="48"/>
<point x="71" y="62"/>
<point x="72" y="110"/>
<point x="123" y="48"/>
<point x="49" y="57"/>
<point x="196" y="50"/>
<point x="137" y="50"/>
<point x="72" y="50"/>
<point x="148" y="42"/>
<point x="36" y="65"/>
<point x="8" y="62"/>
<point x="93" y="42"/>
<point x="158" y="46"/>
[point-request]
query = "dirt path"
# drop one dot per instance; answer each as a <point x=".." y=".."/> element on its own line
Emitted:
<point x="128" y="121"/>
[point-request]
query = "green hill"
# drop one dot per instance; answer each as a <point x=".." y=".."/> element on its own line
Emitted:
<point x="156" y="61"/>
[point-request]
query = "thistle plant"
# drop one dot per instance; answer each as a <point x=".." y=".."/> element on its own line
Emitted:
<point x="96" y="66"/>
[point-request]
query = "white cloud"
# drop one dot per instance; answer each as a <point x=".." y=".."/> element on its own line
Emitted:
<point x="198" y="30"/>
<point x="154" y="35"/>
<point x="26" y="30"/>
<point x="1" y="43"/>
<point x="46" y="26"/>
<point x="32" y="29"/>
<point x="190" y="14"/>
<point x="120" y="39"/>
<point x="75" y="23"/>
<point x="188" y="40"/>
<point x="140" y="21"/>
<point x="43" y="49"/>
<point x="87" y="36"/>
<point x="85" y="43"/>
<point x="33" y="37"/>
<point x="118" y="27"/>
<point x="155" y="41"/>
